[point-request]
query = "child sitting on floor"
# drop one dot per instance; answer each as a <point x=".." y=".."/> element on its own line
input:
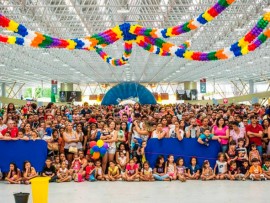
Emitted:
<point x="29" y="172"/>
<point x="99" y="173"/>
<point x="113" y="172"/>
<point x="146" y="173"/>
<point x="14" y="174"/>
<point x="266" y="168"/>
<point x="233" y="172"/>
<point x="255" y="170"/>
<point x="63" y="174"/>
<point x="220" y="168"/>
<point x="159" y="170"/>
<point x="181" y="170"/>
<point x="132" y="171"/>
<point x="171" y="167"/>
<point x="193" y="170"/>
<point x="207" y="171"/>
<point x="90" y="171"/>
<point x="49" y="170"/>
<point x="243" y="170"/>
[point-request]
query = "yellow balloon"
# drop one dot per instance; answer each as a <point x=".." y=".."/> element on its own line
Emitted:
<point x="100" y="143"/>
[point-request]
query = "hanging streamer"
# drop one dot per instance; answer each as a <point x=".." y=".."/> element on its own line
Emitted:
<point x="147" y="38"/>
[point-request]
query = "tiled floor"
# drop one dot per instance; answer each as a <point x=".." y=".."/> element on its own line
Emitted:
<point x="164" y="192"/>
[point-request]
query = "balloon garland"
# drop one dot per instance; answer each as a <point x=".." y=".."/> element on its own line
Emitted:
<point x="97" y="149"/>
<point x="147" y="38"/>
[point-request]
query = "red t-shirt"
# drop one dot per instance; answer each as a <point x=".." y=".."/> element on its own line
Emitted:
<point x="13" y="132"/>
<point x="88" y="170"/>
<point x="257" y="129"/>
<point x="131" y="170"/>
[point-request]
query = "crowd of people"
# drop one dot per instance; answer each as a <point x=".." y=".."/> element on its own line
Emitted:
<point x="243" y="132"/>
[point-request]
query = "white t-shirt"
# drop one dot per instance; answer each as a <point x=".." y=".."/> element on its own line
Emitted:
<point x="221" y="166"/>
<point x="172" y="133"/>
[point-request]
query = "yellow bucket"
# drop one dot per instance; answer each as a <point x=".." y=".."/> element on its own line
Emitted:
<point x="40" y="189"/>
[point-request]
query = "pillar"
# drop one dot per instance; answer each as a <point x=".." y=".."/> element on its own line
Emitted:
<point x="3" y="88"/>
<point x="251" y="86"/>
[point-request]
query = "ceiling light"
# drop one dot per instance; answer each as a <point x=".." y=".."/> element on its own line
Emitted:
<point x="2" y="65"/>
<point x="228" y="70"/>
<point x="122" y="10"/>
<point x="250" y="62"/>
<point x="239" y="29"/>
<point x="182" y="68"/>
<point x="65" y="65"/>
<point x="177" y="71"/>
<point x="71" y="69"/>
<point x="127" y="64"/>
<point x="45" y="53"/>
<point x="26" y="72"/>
<point x="266" y="57"/>
<point x="15" y="69"/>
<point x="189" y="64"/>
<point x="237" y="66"/>
<point x="77" y="72"/>
<point x="55" y="59"/>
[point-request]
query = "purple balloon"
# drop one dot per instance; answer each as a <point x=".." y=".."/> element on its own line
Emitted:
<point x="106" y="146"/>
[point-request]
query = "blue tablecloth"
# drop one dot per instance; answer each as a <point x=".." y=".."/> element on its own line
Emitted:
<point x="20" y="151"/>
<point x="186" y="148"/>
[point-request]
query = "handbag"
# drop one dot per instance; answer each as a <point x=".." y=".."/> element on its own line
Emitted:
<point x="53" y="146"/>
<point x="72" y="149"/>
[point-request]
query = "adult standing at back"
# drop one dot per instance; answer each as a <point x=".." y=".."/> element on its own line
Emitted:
<point x="110" y="138"/>
<point x="71" y="140"/>
<point x="222" y="130"/>
<point x="255" y="133"/>
<point x="11" y="128"/>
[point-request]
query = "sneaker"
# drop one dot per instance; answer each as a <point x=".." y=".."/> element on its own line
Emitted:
<point x="243" y="179"/>
<point x="252" y="178"/>
<point x="263" y="178"/>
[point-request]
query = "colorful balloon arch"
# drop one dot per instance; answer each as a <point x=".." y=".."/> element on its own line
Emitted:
<point x="147" y="38"/>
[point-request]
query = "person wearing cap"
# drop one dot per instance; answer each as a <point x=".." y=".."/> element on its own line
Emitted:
<point x="255" y="132"/>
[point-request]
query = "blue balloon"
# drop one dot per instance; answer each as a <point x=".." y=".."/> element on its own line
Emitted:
<point x="96" y="149"/>
<point x="103" y="150"/>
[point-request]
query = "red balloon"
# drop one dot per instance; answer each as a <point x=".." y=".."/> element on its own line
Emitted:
<point x="92" y="144"/>
<point x="88" y="151"/>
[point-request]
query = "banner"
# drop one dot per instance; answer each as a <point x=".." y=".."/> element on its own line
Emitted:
<point x="53" y="90"/>
<point x="19" y="151"/>
<point x="203" y="85"/>
<point x="186" y="149"/>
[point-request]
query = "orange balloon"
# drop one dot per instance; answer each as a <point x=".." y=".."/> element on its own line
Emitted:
<point x="95" y="155"/>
